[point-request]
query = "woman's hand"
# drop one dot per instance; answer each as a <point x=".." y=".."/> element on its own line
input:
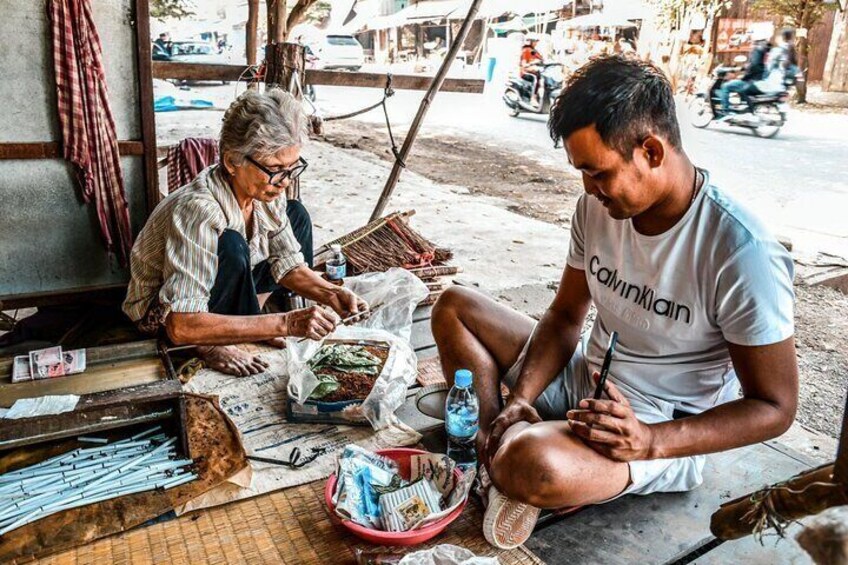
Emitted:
<point x="315" y="322"/>
<point x="347" y="304"/>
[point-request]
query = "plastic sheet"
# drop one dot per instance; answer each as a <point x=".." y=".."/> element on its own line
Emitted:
<point x="394" y="295"/>
<point x="446" y="554"/>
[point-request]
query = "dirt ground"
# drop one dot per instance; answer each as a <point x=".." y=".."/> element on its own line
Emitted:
<point x="549" y="194"/>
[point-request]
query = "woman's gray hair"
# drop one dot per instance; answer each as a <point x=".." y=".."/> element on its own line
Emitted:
<point x="260" y="124"/>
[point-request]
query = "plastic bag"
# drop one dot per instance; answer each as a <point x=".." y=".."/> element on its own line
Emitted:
<point x="394" y="294"/>
<point x="446" y="554"/>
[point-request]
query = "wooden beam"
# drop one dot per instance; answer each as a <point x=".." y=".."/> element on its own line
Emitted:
<point x="189" y="71"/>
<point x="803" y="495"/>
<point x="53" y="150"/>
<point x="435" y="86"/>
<point x="145" y="103"/>
<point x="840" y="469"/>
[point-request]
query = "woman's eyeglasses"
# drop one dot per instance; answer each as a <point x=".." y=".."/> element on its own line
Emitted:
<point x="276" y="178"/>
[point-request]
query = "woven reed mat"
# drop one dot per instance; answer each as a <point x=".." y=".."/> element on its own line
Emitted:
<point x="430" y="372"/>
<point x="290" y="526"/>
<point x="257" y="406"/>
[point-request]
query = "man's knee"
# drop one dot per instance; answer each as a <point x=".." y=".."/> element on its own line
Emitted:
<point x="451" y="306"/>
<point x="233" y="252"/>
<point x="526" y="468"/>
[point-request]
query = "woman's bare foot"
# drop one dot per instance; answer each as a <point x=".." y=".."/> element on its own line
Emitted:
<point x="278" y="342"/>
<point x="231" y="360"/>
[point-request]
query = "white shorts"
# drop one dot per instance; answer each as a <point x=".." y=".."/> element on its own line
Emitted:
<point x="575" y="383"/>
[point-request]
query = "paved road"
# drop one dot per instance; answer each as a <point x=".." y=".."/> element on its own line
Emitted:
<point x="797" y="182"/>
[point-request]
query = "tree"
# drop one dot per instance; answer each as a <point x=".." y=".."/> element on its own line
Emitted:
<point x="802" y="15"/>
<point x="165" y="9"/>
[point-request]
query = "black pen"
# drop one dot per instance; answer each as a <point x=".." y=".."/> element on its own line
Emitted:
<point x="606" y="366"/>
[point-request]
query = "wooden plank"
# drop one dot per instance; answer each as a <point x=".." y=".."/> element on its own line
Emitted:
<point x="53" y="150"/>
<point x="99" y="355"/>
<point x="191" y="71"/>
<point x="114" y="293"/>
<point x="97" y="412"/>
<point x="145" y="96"/>
<point x="100" y="378"/>
<point x="19" y="433"/>
<point x="422" y="337"/>
<point x="426" y="352"/>
<point x="840" y="469"/>
<point x="422" y="313"/>
<point x="656" y="528"/>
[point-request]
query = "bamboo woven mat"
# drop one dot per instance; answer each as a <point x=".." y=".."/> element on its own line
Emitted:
<point x="430" y="372"/>
<point x="292" y="526"/>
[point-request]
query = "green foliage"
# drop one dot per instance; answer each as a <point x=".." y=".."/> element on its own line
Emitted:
<point x="176" y="9"/>
<point x="796" y="13"/>
<point x="326" y="385"/>
<point x="670" y="13"/>
<point x="317" y="13"/>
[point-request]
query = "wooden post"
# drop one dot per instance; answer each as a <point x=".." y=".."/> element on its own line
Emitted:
<point x="836" y="68"/>
<point x="281" y="62"/>
<point x="252" y="30"/>
<point x="277" y="29"/>
<point x="840" y="468"/>
<point x="803" y="495"/>
<point x="422" y="110"/>
<point x="148" y="118"/>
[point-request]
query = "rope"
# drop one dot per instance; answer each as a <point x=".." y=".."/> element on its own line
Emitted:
<point x="388" y="92"/>
<point x="763" y="514"/>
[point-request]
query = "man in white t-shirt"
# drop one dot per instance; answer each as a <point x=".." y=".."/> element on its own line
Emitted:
<point x="700" y="295"/>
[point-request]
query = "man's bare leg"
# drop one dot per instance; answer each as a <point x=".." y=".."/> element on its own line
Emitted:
<point x="547" y="466"/>
<point x="476" y="333"/>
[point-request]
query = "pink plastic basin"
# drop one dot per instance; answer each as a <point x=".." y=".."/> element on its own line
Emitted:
<point x="379" y="537"/>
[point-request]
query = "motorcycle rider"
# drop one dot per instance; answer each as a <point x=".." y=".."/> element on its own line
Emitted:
<point x="755" y="70"/>
<point x="530" y="66"/>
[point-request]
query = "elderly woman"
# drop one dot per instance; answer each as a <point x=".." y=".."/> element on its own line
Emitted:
<point x="212" y="252"/>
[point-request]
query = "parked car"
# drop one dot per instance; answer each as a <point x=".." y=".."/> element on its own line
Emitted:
<point x="338" y="52"/>
<point x="198" y="52"/>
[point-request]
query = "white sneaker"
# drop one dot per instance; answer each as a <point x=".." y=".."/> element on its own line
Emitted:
<point x="508" y="523"/>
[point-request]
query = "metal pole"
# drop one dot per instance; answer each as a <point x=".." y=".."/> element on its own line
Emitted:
<point x="422" y="110"/>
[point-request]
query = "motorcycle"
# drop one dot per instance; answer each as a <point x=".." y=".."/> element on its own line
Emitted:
<point x="311" y="62"/>
<point x="764" y="114"/>
<point x="518" y="96"/>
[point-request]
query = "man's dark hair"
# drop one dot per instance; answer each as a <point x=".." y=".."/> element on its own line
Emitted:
<point x="788" y="34"/>
<point x="624" y="98"/>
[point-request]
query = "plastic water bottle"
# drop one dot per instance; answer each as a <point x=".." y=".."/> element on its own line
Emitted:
<point x="337" y="265"/>
<point x="462" y="420"/>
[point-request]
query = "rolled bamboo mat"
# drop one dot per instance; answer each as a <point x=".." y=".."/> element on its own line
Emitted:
<point x="430" y="372"/>
<point x="292" y="526"/>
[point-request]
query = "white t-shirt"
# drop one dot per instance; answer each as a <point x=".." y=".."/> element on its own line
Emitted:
<point x="676" y="299"/>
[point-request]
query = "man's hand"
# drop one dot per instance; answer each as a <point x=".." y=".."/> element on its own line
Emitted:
<point x="610" y="427"/>
<point x="346" y="303"/>
<point x="515" y="411"/>
<point x="314" y="322"/>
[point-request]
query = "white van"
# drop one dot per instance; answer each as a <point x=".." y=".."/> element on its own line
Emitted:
<point x="338" y="52"/>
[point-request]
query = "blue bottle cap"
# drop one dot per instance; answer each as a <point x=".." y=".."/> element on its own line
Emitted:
<point x="463" y="377"/>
